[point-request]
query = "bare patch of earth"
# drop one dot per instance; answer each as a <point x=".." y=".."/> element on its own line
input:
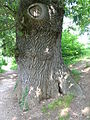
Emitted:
<point x="79" y="109"/>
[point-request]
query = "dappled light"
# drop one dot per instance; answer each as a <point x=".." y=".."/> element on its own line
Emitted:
<point x="31" y="89"/>
<point x="14" y="118"/>
<point x="38" y="92"/>
<point x="86" y="111"/>
<point x="71" y="85"/>
<point x="64" y="112"/>
<point x="86" y="70"/>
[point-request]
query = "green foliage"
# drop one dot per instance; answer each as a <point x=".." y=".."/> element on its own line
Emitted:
<point x="8" y="10"/>
<point x="79" y="10"/>
<point x="71" y="48"/>
<point x="2" y="71"/>
<point x="2" y="62"/>
<point x="14" y="65"/>
<point x="8" y="45"/>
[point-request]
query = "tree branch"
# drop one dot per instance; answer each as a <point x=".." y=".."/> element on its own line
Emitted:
<point x="6" y="6"/>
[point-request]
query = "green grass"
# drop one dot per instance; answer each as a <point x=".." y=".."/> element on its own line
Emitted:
<point x="76" y="75"/>
<point x="60" y="102"/>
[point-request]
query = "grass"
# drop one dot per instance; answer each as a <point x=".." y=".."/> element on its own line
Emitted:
<point x="60" y="102"/>
<point x="76" y="75"/>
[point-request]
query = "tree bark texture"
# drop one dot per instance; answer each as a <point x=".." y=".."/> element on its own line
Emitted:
<point x="41" y="71"/>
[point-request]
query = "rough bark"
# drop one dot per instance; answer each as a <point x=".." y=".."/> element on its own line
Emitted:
<point x="41" y="71"/>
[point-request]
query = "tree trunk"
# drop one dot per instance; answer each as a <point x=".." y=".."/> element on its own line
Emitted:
<point x="41" y="71"/>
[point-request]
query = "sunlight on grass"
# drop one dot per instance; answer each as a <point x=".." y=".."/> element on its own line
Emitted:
<point x="60" y="102"/>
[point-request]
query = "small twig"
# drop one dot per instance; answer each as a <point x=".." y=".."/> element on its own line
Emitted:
<point x="6" y="6"/>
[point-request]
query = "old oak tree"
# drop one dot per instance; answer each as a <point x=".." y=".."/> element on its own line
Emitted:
<point x="41" y="70"/>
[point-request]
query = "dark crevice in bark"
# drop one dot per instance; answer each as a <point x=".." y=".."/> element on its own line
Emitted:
<point x="60" y="90"/>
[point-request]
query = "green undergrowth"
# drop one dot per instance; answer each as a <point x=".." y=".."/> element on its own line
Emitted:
<point x="62" y="102"/>
<point x="13" y="65"/>
<point x="76" y="75"/>
<point x="73" y="60"/>
<point x="23" y="101"/>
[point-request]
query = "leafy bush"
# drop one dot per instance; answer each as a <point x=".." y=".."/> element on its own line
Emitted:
<point x="71" y="48"/>
<point x="14" y="65"/>
<point x="2" y="62"/>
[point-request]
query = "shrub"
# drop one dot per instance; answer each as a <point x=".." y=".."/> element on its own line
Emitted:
<point x="71" y="48"/>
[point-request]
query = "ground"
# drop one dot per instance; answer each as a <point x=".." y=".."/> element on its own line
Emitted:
<point x="78" y="110"/>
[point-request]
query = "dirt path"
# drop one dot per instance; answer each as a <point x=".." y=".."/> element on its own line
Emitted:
<point x="80" y="107"/>
<point x="9" y="108"/>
